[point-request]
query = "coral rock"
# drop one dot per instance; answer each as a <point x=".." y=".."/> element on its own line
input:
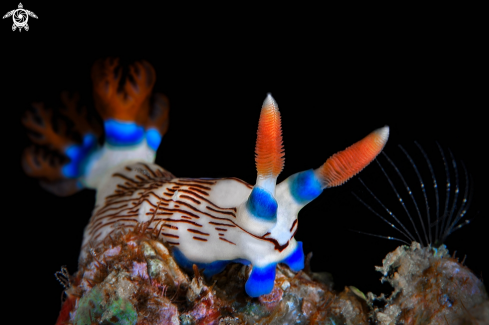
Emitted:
<point x="430" y="287"/>
<point x="133" y="279"/>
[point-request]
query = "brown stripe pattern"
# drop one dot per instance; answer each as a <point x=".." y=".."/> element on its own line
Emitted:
<point x="153" y="195"/>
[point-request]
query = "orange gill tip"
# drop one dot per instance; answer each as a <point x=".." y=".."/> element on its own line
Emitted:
<point x="130" y="102"/>
<point x="347" y="163"/>
<point x="269" y="150"/>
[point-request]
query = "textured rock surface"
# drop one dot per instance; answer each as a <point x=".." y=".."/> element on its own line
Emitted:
<point x="132" y="279"/>
<point x="430" y="287"/>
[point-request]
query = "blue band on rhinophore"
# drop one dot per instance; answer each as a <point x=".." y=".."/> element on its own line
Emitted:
<point x="305" y="186"/>
<point x="296" y="259"/>
<point x="153" y="137"/>
<point x="209" y="268"/>
<point x="122" y="134"/>
<point x="78" y="154"/>
<point x="262" y="205"/>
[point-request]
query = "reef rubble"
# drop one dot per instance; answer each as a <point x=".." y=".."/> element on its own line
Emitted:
<point x="430" y="287"/>
<point x="132" y="279"/>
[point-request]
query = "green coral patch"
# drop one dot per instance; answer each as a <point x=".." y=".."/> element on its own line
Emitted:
<point x="120" y="312"/>
<point x="89" y="307"/>
<point x="93" y="309"/>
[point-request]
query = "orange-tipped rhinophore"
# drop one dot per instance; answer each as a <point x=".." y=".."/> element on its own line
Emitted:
<point x="347" y="163"/>
<point x="269" y="150"/>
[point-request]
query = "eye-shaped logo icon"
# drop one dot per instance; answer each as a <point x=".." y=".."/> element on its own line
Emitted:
<point x="20" y="17"/>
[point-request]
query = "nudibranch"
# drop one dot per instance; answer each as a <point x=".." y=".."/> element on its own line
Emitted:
<point x="207" y="222"/>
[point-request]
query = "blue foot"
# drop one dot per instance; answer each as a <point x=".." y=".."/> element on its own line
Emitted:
<point x="261" y="280"/>
<point x="209" y="268"/>
<point x="295" y="260"/>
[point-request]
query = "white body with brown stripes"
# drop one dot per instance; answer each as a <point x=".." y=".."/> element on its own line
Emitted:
<point x="209" y="222"/>
<point x="199" y="216"/>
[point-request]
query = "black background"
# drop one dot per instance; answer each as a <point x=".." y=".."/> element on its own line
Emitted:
<point x="336" y="74"/>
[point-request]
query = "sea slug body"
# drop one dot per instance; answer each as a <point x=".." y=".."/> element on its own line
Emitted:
<point x="207" y="222"/>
